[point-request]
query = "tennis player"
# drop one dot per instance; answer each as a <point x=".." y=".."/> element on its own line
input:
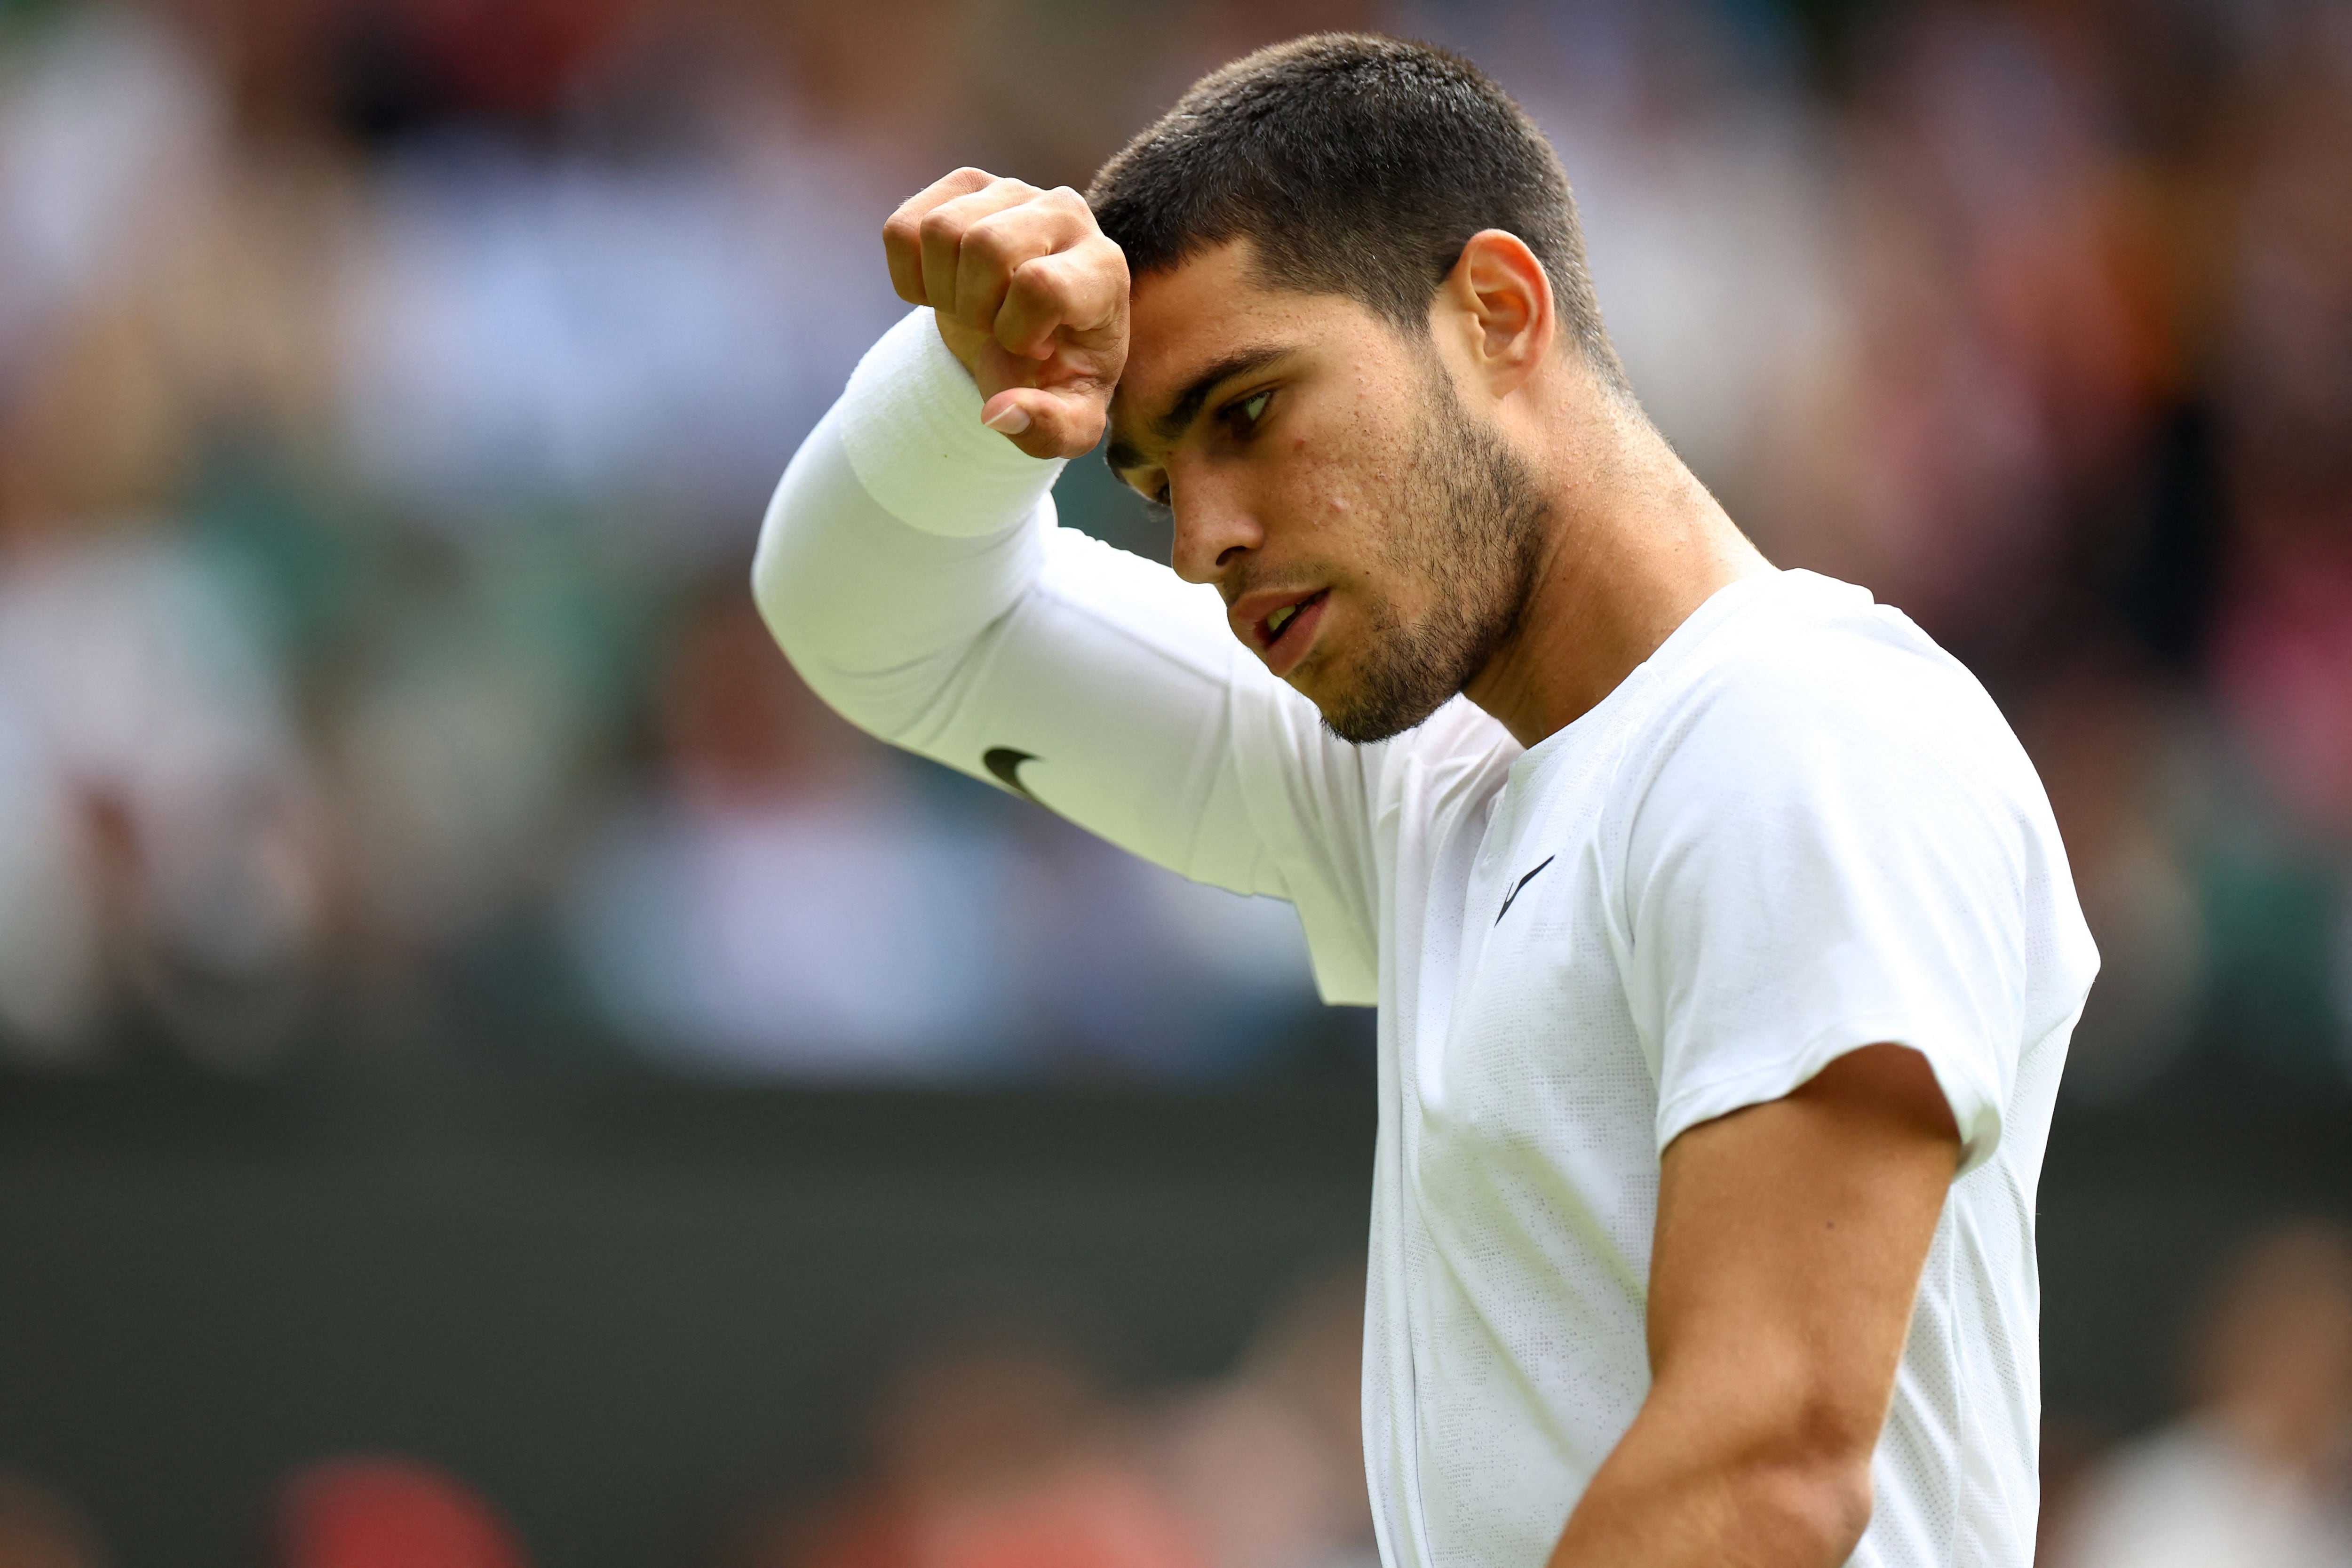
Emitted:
<point x="1724" y="950"/>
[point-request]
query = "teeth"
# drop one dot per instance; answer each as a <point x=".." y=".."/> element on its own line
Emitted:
<point x="1280" y="618"/>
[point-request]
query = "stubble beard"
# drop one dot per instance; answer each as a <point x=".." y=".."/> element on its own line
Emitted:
<point x="1469" y="527"/>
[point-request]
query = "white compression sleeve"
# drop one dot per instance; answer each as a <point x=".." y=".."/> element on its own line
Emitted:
<point x="911" y="571"/>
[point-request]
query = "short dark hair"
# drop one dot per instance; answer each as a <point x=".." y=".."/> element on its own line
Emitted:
<point x="1358" y="165"/>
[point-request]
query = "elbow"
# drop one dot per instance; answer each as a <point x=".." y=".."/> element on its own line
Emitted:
<point x="769" y="577"/>
<point x="776" y="612"/>
<point x="801" y="607"/>
<point x="768" y="588"/>
<point x="1816" y="1511"/>
<point x="781" y="592"/>
<point x="1811" y="1489"/>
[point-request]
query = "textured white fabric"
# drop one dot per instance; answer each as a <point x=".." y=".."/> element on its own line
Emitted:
<point x="1800" y="829"/>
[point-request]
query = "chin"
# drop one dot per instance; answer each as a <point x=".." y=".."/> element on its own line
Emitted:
<point x="1350" y="718"/>
<point x="1364" y="711"/>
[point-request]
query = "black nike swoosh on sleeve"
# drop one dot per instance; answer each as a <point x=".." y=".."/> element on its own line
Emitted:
<point x="1004" y="763"/>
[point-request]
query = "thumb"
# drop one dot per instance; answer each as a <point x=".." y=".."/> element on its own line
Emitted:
<point x="1046" y="424"/>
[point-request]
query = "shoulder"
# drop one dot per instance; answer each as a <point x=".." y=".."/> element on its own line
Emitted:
<point x="1810" y="683"/>
<point x="1812" y="650"/>
<point x="1816" y="733"/>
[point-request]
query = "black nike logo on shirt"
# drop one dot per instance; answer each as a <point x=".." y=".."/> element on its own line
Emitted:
<point x="1004" y="763"/>
<point x="1514" y="893"/>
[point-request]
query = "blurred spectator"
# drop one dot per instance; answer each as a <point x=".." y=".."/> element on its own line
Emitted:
<point x="782" y="901"/>
<point x="102" y="113"/>
<point x="41" y="1529"/>
<point x="2113" y="748"/>
<point x="2072" y="1449"/>
<point x="1134" y="973"/>
<point x="466" y="718"/>
<point x="2000" y="366"/>
<point x="640" y="329"/>
<point x="168" y="212"/>
<point x="2286" y="665"/>
<point x="2287" y="312"/>
<point x="158" y="262"/>
<point x="2256" y="1474"/>
<point x="786" y="902"/>
<point x="1698" y="171"/>
<point x="620" y="340"/>
<point x="388" y="1512"/>
<point x="997" y="1448"/>
<point x="1268" y="1465"/>
<point x="2287" y="648"/>
<point x="162" y="835"/>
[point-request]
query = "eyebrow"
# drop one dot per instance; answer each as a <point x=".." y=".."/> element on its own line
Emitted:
<point x="1187" y="407"/>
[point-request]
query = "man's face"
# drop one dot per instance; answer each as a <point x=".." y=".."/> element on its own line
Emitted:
<point x="1373" y="540"/>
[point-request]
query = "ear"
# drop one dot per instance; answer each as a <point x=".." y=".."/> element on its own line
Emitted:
<point x="1501" y="304"/>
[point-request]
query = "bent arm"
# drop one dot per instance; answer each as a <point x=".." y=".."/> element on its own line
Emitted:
<point x="911" y="571"/>
<point x="1790" y="1243"/>
<point x="899" y="535"/>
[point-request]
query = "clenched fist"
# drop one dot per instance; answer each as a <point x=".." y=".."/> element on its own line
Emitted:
<point x="1029" y="295"/>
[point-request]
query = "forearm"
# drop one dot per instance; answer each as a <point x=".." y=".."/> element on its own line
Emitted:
<point x="1684" y="1489"/>
<point x="902" y="530"/>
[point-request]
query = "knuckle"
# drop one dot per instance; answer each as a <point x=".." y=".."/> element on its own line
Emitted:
<point x="989" y="241"/>
<point x="1040" y="275"/>
<point x="1036" y="288"/>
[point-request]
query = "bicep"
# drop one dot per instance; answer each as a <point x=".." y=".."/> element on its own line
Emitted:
<point x="1790" y="1242"/>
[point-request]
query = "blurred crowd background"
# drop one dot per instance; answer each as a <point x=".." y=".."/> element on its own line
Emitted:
<point x="390" y="391"/>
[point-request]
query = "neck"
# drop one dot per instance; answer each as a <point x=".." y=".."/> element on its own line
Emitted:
<point x="1633" y="544"/>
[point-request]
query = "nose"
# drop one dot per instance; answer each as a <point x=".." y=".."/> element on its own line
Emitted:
<point x="1214" y="528"/>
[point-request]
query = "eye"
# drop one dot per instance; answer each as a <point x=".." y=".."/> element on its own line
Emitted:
<point x="1244" y="415"/>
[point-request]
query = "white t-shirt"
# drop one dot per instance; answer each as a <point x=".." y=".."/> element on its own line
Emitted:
<point x="1798" y="829"/>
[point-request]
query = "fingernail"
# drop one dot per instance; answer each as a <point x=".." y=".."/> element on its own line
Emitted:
<point x="1010" y="420"/>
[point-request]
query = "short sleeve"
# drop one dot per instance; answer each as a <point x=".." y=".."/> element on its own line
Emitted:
<point x="1830" y="853"/>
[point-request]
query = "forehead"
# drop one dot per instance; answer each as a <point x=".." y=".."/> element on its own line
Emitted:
<point x="1189" y="317"/>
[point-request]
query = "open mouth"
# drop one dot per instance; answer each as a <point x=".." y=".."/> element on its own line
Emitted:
<point x="1283" y="619"/>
